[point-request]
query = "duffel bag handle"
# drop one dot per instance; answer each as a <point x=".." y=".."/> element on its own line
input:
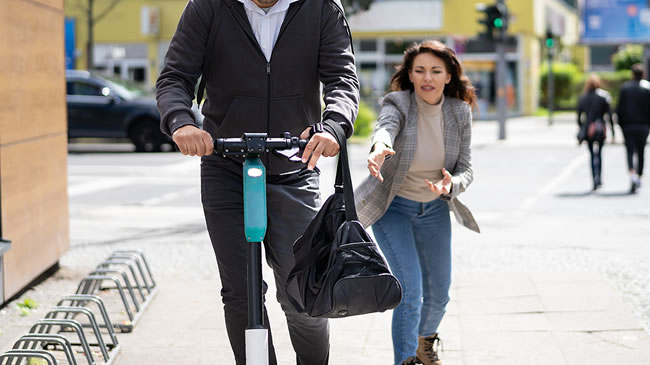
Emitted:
<point x="343" y="181"/>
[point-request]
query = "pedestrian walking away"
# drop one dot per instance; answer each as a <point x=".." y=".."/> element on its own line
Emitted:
<point x="420" y="161"/>
<point x="262" y="63"/>
<point x="593" y="106"/>
<point x="633" y="113"/>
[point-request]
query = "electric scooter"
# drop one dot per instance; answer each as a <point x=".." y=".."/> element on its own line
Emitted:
<point x="252" y="146"/>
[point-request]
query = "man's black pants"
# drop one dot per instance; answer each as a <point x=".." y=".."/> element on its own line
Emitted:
<point x="292" y="201"/>
<point x="635" y="140"/>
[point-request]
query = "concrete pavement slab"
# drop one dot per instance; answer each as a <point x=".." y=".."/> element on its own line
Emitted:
<point x="511" y="348"/>
<point x="605" y="348"/>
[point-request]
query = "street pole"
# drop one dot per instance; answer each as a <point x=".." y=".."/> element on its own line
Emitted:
<point x="501" y="80"/>
<point x="501" y="88"/>
<point x="646" y="60"/>
<point x="91" y="25"/>
<point x="551" y="87"/>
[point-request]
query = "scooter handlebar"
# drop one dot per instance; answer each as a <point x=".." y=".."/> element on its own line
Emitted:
<point x="256" y="143"/>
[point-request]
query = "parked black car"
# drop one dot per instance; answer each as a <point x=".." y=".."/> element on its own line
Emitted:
<point x="100" y="108"/>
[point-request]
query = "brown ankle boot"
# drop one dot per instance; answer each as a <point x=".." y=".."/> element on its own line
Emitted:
<point x="427" y="352"/>
<point x="410" y="361"/>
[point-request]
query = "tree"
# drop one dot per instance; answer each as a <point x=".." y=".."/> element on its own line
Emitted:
<point x="627" y="56"/>
<point x="88" y="8"/>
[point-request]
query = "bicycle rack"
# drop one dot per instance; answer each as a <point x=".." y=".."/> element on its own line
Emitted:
<point x="44" y="326"/>
<point x="128" y="273"/>
<point x="84" y="329"/>
<point x="19" y="355"/>
<point x="47" y="340"/>
<point x="80" y="300"/>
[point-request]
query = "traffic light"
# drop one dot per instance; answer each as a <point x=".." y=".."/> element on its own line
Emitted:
<point x="495" y="21"/>
<point x="500" y="20"/>
<point x="550" y="39"/>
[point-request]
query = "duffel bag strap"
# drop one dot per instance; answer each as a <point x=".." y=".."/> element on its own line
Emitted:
<point x="343" y="180"/>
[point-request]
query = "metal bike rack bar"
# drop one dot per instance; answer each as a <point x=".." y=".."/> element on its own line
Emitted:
<point x="140" y="256"/>
<point x="127" y="283"/>
<point x="129" y="272"/>
<point x="133" y="258"/>
<point x="90" y="285"/>
<point x="52" y="314"/>
<point x="107" y="264"/>
<point x="79" y="300"/>
<point x="27" y="354"/>
<point x="32" y="340"/>
<point x="44" y="326"/>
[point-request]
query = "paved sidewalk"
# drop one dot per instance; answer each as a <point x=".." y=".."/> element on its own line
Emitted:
<point x="492" y="319"/>
<point x="521" y="317"/>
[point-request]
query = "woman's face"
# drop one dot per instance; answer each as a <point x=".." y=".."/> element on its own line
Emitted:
<point x="429" y="76"/>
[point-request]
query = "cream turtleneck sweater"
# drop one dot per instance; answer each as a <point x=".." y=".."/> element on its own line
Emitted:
<point x="429" y="156"/>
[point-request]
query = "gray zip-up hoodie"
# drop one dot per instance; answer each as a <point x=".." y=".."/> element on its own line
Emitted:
<point x="245" y="93"/>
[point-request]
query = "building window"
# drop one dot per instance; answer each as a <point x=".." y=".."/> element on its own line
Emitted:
<point x="368" y="45"/>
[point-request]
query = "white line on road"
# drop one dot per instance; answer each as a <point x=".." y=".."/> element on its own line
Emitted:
<point x="159" y="200"/>
<point x="568" y="169"/>
<point x="98" y="185"/>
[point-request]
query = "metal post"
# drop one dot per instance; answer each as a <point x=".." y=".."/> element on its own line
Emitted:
<point x="501" y="81"/>
<point x="91" y="35"/>
<point x="551" y="85"/>
<point x="646" y="60"/>
<point x="5" y="245"/>
<point x="501" y="89"/>
<point x="255" y="305"/>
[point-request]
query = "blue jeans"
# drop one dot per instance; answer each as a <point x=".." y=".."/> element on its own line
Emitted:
<point x="416" y="241"/>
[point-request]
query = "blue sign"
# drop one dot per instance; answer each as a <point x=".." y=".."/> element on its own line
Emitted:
<point x="614" y="21"/>
<point x="70" y="43"/>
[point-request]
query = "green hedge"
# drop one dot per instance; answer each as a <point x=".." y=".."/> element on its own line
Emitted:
<point x="565" y="80"/>
<point x="569" y="84"/>
<point x="627" y="56"/>
<point x="365" y="120"/>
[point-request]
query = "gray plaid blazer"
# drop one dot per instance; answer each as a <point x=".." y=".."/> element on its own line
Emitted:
<point x="397" y="127"/>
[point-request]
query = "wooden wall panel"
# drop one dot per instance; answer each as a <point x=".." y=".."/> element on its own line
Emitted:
<point x="56" y="4"/>
<point x="33" y="139"/>
<point x="34" y="208"/>
<point x="32" y="72"/>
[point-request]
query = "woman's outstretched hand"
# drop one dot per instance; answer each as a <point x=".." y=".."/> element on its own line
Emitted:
<point x="377" y="158"/>
<point x="442" y="187"/>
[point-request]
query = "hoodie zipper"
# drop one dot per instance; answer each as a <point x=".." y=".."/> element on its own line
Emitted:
<point x="268" y="107"/>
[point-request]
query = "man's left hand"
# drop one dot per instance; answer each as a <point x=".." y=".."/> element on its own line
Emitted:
<point x="320" y="144"/>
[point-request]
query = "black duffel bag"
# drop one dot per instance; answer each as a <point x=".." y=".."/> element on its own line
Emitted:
<point x="339" y="271"/>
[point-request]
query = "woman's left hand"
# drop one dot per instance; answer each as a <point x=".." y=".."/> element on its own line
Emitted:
<point x="442" y="187"/>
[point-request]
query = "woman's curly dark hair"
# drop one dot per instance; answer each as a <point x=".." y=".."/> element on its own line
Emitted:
<point x="458" y="87"/>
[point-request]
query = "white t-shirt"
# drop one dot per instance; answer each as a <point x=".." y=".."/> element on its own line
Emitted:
<point x="266" y="23"/>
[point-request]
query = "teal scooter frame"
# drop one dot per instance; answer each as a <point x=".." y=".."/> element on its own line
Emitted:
<point x="252" y="146"/>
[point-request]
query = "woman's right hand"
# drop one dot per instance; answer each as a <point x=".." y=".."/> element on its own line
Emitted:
<point x="377" y="158"/>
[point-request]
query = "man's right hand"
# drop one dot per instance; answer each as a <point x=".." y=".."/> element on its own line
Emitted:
<point x="193" y="141"/>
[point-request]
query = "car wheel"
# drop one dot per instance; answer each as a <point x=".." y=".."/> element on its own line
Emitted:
<point x="147" y="137"/>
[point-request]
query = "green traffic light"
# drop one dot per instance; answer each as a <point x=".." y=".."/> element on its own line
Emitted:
<point x="550" y="42"/>
<point x="498" y="22"/>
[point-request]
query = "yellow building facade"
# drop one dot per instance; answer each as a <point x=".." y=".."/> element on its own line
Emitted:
<point x="388" y="27"/>
<point x="132" y="39"/>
